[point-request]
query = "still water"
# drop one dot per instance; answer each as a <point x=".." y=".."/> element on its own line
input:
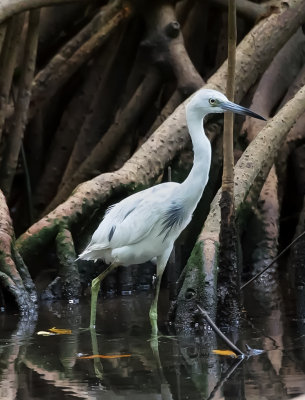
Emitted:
<point x="55" y="367"/>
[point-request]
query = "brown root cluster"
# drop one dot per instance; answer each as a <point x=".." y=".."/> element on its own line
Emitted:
<point x="91" y="110"/>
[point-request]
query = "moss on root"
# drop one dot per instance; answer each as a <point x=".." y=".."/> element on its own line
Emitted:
<point x="199" y="288"/>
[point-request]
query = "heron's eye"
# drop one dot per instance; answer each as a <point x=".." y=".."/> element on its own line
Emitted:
<point x="212" y="102"/>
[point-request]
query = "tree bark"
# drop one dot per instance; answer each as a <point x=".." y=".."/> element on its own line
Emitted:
<point x="102" y="111"/>
<point x="259" y="46"/>
<point x="103" y="151"/>
<point x="2" y="34"/>
<point x="14" y="275"/>
<point x="9" y="8"/>
<point x="68" y="284"/>
<point x="161" y="23"/>
<point x="275" y="82"/>
<point x="229" y="275"/>
<point x="14" y="140"/>
<point x="68" y="134"/>
<point x="8" y="63"/>
<point x="270" y="90"/>
<point x="73" y="55"/>
<point x="191" y="78"/>
<point x="56" y="19"/>
<point x="295" y="137"/>
<point x="296" y="263"/>
<point x="248" y="9"/>
<point x="261" y="234"/>
<point x="174" y="56"/>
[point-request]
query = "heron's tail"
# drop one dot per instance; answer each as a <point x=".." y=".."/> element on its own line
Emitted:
<point x="92" y="252"/>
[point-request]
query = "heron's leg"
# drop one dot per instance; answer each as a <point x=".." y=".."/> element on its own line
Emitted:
<point x="153" y="312"/>
<point x="98" y="367"/>
<point x="95" y="287"/>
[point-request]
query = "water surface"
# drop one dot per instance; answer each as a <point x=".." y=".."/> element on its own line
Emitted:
<point x="51" y="367"/>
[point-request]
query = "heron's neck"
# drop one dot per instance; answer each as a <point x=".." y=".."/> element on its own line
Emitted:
<point x="197" y="179"/>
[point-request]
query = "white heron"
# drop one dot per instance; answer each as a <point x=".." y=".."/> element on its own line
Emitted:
<point x="145" y="225"/>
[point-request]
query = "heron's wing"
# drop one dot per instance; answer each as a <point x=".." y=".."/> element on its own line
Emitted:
<point x="133" y="218"/>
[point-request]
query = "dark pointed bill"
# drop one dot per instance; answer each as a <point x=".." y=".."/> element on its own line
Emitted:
<point x="235" y="108"/>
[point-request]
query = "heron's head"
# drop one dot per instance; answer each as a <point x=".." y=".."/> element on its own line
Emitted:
<point x="208" y="101"/>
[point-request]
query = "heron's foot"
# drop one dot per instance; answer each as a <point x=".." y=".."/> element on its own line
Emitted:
<point x="84" y="329"/>
<point x="154" y="338"/>
<point x="88" y="328"/>
<point x="98" y="369"/>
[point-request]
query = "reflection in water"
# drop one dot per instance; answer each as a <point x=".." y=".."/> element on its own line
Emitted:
<point x="38" y="367"/>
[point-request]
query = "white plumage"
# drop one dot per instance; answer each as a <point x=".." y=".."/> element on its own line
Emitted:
<point x="146" y="224"/>
<point x="125" y="235"/>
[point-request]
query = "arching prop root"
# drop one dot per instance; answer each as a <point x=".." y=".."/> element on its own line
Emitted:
<point x="67" y="284"/>
<point x="103" y="151"/>
<point x="14" y="275"/>
<point x="260" y="234"/>
<point x="76" y="53"/>
<point x="169" y="138"/>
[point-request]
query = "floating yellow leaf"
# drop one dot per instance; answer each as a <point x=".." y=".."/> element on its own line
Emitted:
<point x="45" y="333"/>
<point x="103" y="356"/>
<point x="61" y="331"/>
<point x="225" y="353"/>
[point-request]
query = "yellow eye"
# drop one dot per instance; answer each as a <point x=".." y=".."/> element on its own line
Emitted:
<point x="212" y="102"/>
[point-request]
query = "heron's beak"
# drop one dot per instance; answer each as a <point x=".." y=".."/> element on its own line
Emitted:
<point x="235" y="108"/>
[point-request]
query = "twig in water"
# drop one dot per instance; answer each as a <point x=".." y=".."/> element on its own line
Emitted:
<point x="218" y="331"/>
<point x="227" y="375"/>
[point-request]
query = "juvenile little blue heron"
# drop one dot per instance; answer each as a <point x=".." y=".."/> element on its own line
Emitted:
<point x="145" y="225"/>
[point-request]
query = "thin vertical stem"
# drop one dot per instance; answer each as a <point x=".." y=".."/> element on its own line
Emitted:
<point x="228" y="173"/>
<point x="229" y="276"/>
